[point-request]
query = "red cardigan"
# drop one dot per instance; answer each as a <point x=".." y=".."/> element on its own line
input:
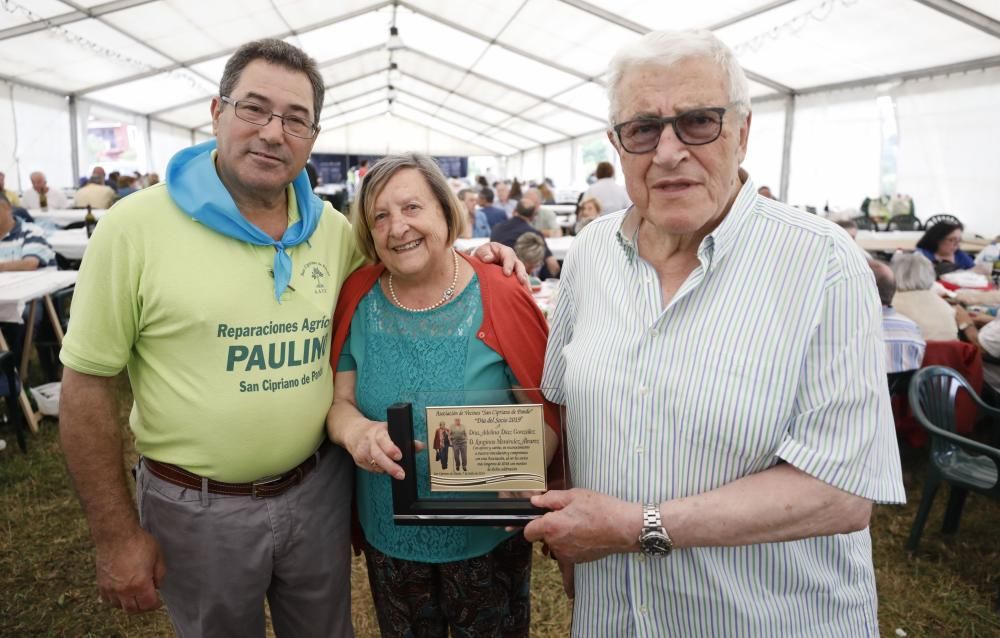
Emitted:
<point x="513" y="327"/>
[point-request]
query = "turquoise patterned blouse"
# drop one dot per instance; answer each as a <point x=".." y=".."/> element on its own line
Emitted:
<point x="425" y="358"/>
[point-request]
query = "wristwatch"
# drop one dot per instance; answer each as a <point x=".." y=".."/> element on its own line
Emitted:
<point x="653" y="539"/>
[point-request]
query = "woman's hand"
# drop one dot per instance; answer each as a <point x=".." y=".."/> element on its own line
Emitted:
<point x="373" y="450"/>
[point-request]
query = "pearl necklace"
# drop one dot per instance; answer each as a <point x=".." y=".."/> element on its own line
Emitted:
<point x="448" y="293"/>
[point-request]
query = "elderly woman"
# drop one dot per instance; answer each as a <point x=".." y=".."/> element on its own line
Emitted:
<point x="940" y="245"/>
<point x="936" y="318"/>
<point x="423" y="319"/>
<point x="588" y="210"/>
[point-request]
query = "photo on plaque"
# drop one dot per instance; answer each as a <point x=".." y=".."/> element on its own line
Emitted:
<point x="474" y="457"/>
<point x="487" y="448"/>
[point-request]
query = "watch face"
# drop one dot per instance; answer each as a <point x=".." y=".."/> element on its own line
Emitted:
<point x="655" y="543"/>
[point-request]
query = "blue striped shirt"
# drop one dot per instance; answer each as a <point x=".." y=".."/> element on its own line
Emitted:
<point x="904" y="346"/>
<point x="27" y="240"/>
<point x="770" y="350"/>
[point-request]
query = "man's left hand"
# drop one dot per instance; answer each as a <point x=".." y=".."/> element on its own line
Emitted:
<point x="495" y="252"/>
<point x="585" y="525"/>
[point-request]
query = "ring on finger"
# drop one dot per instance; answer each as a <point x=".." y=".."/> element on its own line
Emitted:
<point x="371" y="461"/>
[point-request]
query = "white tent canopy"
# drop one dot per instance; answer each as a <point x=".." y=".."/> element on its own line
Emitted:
<point x="851" y="97"/>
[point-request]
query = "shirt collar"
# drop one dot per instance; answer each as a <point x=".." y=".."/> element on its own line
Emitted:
<point x="716" y="243"/>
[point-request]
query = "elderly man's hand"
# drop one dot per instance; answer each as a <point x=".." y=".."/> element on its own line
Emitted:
<point x="584" y="525"/>
<point x="495" y="252"/>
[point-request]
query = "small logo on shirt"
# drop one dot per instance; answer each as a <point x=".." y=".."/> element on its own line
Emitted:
<point x="319" y="274"/>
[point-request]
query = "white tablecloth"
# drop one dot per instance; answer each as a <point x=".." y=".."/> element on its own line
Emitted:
<point x="18" y="288"/>
<point x="890" y="241"/>
<point x="71" y="244"/>
<point x="63" y="218"/>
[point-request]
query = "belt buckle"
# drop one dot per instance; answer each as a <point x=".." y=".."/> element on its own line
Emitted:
<point x="264" y="482"/>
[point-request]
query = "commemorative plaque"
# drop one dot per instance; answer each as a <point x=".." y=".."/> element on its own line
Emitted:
<point x="473" y="457"/>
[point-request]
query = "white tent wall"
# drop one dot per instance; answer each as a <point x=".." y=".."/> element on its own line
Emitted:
<point x="559" y="164"/>
<point x="766" y="144"/>
<point x="949" y="147"/>
<point x="40" y="141"/>
<point x="165" y="141"/>
<point x="836" y="146"/>
<point x="531" y="165"/>
<point x="8" y="137"/>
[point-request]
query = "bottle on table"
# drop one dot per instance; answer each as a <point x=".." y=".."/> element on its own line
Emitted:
<point x="89" y="221"/>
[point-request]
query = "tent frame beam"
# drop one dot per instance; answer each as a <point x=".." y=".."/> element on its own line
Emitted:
<point x="73" y="16"/>
<point x="965" y="15"/>
<point x="230" y="50"/>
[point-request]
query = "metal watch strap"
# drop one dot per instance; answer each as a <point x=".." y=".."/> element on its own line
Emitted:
<point x="651" y="516"/>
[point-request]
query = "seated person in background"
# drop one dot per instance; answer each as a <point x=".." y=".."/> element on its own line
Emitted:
<point x="126" y="186"/>
<point x="904" y="347"/>
<point x="989" y="343"/>
<point x="612" y="195"/>
<point x="508" y="233"/>
<point x="938" y="320"/>
<point x="545" y="219"/>
<point x="588" y="210"/>
<point x="530" y="249"/>
<point x="10" y="195"/>
<point x="850" y="226"/>
<point x="22" y="245"/>
<point x="940" y="244"/>
<point x="95" y="194"/>
<point x="765" y="191"/>
<point x="41" y="196"/>
<point x="548" y="197"/>
<point x="475" y="220"/>
<point x="494" y="215"/>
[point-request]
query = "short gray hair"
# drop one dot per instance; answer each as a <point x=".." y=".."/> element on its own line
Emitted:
<point x="666" y="48"/>
<point x="530" y="248"/>
<point x="913" y="271"/>
<point x="281" y="53"/>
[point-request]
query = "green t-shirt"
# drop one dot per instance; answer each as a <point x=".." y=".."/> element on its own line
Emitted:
<point x="228" y="383"/>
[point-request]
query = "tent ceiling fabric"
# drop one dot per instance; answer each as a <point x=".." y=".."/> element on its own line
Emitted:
<point x="473" y="76"/>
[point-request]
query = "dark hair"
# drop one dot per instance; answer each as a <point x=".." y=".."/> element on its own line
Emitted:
<point x="933" y="236"/>
<point x="274" y="51"/>
<point x="604" y="169"/>
<point x="487" y="194"/>
<point x="846" y="224"/>
<point x="515" y="189"/>
<point x="524" y="210"/>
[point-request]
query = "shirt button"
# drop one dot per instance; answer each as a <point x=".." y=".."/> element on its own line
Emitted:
<point x="482" y="335"/>
<point x="643" y="390"/>
<point x="639" y="450"/>
<point x="654" y="332"/>
<point x="643" y="610"/>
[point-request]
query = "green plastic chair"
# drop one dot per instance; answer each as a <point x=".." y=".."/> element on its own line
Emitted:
<point x="963" y="463"/>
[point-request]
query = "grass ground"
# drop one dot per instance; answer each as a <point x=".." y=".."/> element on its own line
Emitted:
<point x="949" y="588"/>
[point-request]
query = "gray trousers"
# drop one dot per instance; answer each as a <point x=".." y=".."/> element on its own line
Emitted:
<point x="225" y="554"/>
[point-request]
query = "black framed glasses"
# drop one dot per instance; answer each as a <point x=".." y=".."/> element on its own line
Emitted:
<point x="254" y="113"/>
<point x="694" y="128"/>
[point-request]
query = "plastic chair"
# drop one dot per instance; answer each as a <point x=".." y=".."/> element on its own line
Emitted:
<point x="963" y="463"/>
<point x="8" y="368"/>
<point x="903" y="222"/>
<point x="935" y="219"/>
<point x="865" y="223"/>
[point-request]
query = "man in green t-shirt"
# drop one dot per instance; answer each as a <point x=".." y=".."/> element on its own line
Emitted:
<point x="215" y="290"/>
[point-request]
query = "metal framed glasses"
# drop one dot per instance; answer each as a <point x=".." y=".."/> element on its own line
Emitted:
<point x="254" y="113"/>
<point x="694" y="128"/>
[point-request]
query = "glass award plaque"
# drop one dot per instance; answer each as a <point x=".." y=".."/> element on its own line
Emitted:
<point x="474" y="457"/>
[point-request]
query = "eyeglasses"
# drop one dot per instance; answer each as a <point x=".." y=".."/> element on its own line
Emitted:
<point x="256" y="114"/>
<point x="694" y="128"/>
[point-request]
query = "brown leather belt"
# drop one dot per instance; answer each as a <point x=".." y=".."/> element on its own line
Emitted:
<point x="261" y="488"/>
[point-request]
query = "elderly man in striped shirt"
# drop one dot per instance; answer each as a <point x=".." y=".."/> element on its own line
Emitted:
<point x="720" y="358"/>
